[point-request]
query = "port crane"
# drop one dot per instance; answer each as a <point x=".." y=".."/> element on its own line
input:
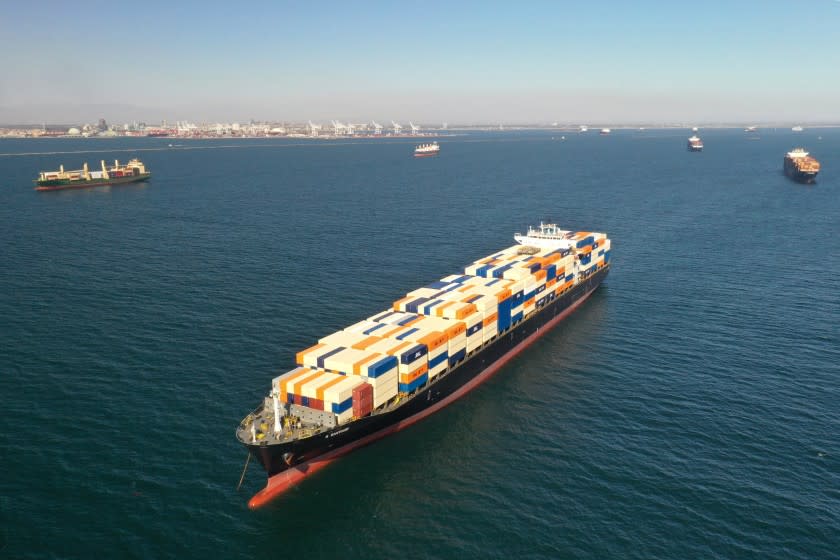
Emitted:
<point x="339" y="128"/>
<point x="414" y="128"/>
<point x="314" y="128"/>
<point x="397" y="127"/>
<point x="377" y="128"/>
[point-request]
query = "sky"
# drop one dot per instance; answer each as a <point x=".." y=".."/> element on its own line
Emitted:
<point x="430" y="61"/>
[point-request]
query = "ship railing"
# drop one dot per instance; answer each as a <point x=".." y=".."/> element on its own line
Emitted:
<point x="249" y="419"/>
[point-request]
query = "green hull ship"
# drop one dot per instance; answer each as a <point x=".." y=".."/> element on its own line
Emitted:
<point x="117" y="174"/>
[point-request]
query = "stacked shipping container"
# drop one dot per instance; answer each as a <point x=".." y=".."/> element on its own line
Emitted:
<point x="432" y="328"/>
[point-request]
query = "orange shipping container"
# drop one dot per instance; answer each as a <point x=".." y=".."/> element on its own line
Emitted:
<point x="319" y="392"/>
<point x="293" y="386"/>
<point x="285" y="381"/>
<point x="491" y="319"/>
<point x="300" y="355"/>
<point x="409" y="377"/>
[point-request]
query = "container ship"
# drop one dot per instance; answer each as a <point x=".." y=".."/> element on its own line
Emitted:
<point x="117" y="174"/>
<point x="426" y="150"/>
<point x="695" y="144"/>
<point x="426" y="350"/>
<point x="800" y="166"/>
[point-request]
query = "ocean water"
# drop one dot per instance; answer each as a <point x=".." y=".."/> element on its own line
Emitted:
<point x="690" y="409"/>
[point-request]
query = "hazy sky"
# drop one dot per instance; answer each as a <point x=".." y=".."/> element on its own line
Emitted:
<point x="429" y="61"/>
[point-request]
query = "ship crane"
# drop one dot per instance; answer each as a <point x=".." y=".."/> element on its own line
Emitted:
<point x="377" y="128"/>
<point x="397" y="127"/>
<point x="414" y="128"/>
<point x="314" y="128"/>
<point x="339" y="128"/>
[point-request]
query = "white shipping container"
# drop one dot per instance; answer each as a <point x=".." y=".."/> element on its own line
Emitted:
<point x="342" y="391"/>
<point x="342" y="338"/>
<point x="344" y="417"/>
<point x="367" y="327"/>
<point x="529" y="308"/>
<point x="342" y="362"/>
<point x="395" y="317"/>
<point x="312" y="355"/>
<point x="489" y="331"/>
<point x="476" y="339"/>
<point x="484" y="299"/>
<point x="275" y="383"/>
<point x="385" y="388"/>
<point x="309" y="388"/>
<point x="457" y="342"/>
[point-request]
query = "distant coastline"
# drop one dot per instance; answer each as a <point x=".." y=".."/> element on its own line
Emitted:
<point x="305" y="132"/>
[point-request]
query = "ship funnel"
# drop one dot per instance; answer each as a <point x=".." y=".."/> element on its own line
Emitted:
<point x="116" y="163"/>
<point x="61" y="169"/>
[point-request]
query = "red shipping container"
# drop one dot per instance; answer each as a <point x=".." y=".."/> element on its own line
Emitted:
<point x="362" y="400"/>
<point x="317" y="404"/>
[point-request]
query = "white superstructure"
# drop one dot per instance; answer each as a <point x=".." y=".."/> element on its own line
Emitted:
<point x="797" y="153"/>
<point x="547" y="235"/>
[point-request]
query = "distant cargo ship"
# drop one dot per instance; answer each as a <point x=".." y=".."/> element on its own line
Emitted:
<point x="797" y="128"/>
<point x="695" y="144"/>
<point x="800" y="166"/>
<point x="426" y="150"/>
<point x="384" y="373"/>
<point x="131" y="172"/>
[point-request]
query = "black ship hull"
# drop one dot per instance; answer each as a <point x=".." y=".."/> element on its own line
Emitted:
<point x="62" y="184"/>
<point x="793" y="172"/>
<point x="799" y="176"/>
<point x="288" y="462"/>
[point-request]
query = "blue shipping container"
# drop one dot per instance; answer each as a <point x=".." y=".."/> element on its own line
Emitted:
<point x="438" y="359"/>
<point x="459" y="355"/>
<point x="409" y="387"/>
<point x="321" y="358"/>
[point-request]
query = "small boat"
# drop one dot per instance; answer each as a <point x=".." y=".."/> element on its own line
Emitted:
<point x="797" y="128"/>
<point x="426" y="150"/>
<point x="695" y="144"/>
<point x="605" y="131"/>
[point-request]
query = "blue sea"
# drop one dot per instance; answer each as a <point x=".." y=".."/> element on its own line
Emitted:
<point x="689" y="409"/>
